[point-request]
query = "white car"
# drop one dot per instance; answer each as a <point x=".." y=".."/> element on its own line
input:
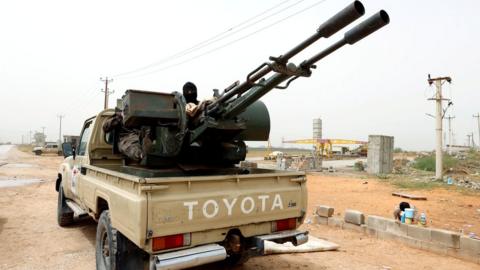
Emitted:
<point x="50" y="147"/>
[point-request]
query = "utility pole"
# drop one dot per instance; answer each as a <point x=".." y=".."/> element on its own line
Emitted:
<point x="473" y="141"/>
<point x="29" y="137"/>
<point x="60" y="130"/>
<point x="468" y="139"/>
<point x="478" y="121"/>
<point x="439" y="111"/>
<point x="43" y="131"/>
<point x="106" y="91"/>
<point x="449" y="118"/>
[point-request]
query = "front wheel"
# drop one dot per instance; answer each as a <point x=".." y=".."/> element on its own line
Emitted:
<point x="38" y="152"/>
<point x="64" y="213"/>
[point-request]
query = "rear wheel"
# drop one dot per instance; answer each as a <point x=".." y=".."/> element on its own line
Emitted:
<point x="114" y="251"/>
<point x="38" y="152"/>
<point x="64" y="213"/>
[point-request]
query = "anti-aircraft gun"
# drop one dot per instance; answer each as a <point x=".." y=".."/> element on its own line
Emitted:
<point x="215" y="135"/>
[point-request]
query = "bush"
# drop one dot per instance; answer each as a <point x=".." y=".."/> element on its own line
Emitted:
<point x="428" y="163"/>
<point x="397" y="150"/>
<point x="359" y="166"/>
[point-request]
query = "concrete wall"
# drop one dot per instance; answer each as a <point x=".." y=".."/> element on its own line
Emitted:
<point x="380" y="154"/>
<point x="438" y="241"/>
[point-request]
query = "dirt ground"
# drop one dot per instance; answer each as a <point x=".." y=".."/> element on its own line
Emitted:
<point x="447" y="208"/>
<point x="31" y="239"/>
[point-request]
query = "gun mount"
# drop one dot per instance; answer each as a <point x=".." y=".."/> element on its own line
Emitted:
<point x="216" y="132"/>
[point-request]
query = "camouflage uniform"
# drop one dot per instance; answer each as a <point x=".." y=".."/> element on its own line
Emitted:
<point x="134" y="143"/>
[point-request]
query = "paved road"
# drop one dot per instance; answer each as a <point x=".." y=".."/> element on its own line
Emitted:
<point x="4" y="150"/>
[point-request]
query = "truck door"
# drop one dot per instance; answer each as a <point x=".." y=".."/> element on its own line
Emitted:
<point x="80" y="159"/>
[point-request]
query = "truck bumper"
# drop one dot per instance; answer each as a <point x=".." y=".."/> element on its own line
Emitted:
<point x="189" y="257"/>
<point x="213" y="252"/>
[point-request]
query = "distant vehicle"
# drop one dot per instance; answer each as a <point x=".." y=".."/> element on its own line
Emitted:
<point x="49" y="148"/>
<point x="273" y="155"/>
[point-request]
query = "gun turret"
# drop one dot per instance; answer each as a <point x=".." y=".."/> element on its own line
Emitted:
<point x="218" y="130"/>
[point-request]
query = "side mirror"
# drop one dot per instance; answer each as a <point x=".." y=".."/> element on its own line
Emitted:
<point x="68" y="150"/>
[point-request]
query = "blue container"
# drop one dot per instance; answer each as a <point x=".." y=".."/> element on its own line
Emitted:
<point x="402" y="217"/>
<point x="409" y="212"/>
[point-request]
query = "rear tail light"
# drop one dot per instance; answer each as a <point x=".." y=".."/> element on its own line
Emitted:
<point x="284" y="224"/>
<point x="171" y="241"/>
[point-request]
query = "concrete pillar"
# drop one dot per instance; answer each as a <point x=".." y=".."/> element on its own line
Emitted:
<point x="380" y="154"/>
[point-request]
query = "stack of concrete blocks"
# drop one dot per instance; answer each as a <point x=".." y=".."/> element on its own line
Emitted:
<point x="380" y="154"/>
<point x="354" y="220"/>
<point x="434" y="240"/>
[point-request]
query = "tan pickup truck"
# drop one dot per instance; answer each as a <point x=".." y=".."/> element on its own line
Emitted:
<point x="170" y="218"/>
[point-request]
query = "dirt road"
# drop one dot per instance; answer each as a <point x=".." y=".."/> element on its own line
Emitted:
<point x="31" y="239"/>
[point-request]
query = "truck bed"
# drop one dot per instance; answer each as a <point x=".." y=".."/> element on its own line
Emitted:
<point x="182" y="171"/>
<point x="205" y="205"/>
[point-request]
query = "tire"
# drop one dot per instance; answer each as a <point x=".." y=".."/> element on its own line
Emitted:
<point x="38" y="152"/>
<point x="105" y="243"/>
<point x="113" y="251"/>
<point x="64" y="213"/>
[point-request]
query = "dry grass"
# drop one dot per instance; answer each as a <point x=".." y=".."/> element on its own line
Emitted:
<point x="25" y="148"/>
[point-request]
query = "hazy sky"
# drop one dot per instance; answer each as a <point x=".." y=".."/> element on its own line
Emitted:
<point x="54" y="52"/>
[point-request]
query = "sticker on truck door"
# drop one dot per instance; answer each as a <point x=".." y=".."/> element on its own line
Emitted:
<point x="75" y="173"/>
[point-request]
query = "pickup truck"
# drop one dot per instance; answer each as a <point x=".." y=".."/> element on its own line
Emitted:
<point x="152" y="218"/>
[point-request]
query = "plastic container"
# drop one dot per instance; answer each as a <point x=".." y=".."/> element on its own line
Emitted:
<point x="449" y="181"/>
<point x="402" y="217"/>
<point x="423" y="219"/>
<point x="409" y="212"/>
<point x="408" y="220"/>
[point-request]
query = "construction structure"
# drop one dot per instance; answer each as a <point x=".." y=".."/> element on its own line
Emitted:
<point x="380" y="154"/>
<point x="325" y="147"/>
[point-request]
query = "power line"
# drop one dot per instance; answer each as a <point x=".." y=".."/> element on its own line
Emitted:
<point x="214" y="38"/>
<point x="229" y="43"/>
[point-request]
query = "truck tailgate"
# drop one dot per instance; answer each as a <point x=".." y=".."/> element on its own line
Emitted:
<point x="179" y="205"/>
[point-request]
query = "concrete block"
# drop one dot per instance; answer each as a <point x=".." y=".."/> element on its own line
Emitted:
<point x="354" y="227"/>
<point x="320" y="220"/>
<point x="336" y="222"/>
<point x="447" y="238"/>
<point x="388" y="236"/>
<point x="324" y="211"/>
<point x="467" y="255"/>
<point x="470" y="245"/>
<point x="377" y="222"/>
<point x="372" y="232"/>
<point x="354" y="217"/>
<point x="411" y="242"/>
<point x="396" y="228"/>
<point x="419" y="233"/>
<point x="434" y="247"/>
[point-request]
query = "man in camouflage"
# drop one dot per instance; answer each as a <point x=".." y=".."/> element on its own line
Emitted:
<point x="134" y="143"/>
